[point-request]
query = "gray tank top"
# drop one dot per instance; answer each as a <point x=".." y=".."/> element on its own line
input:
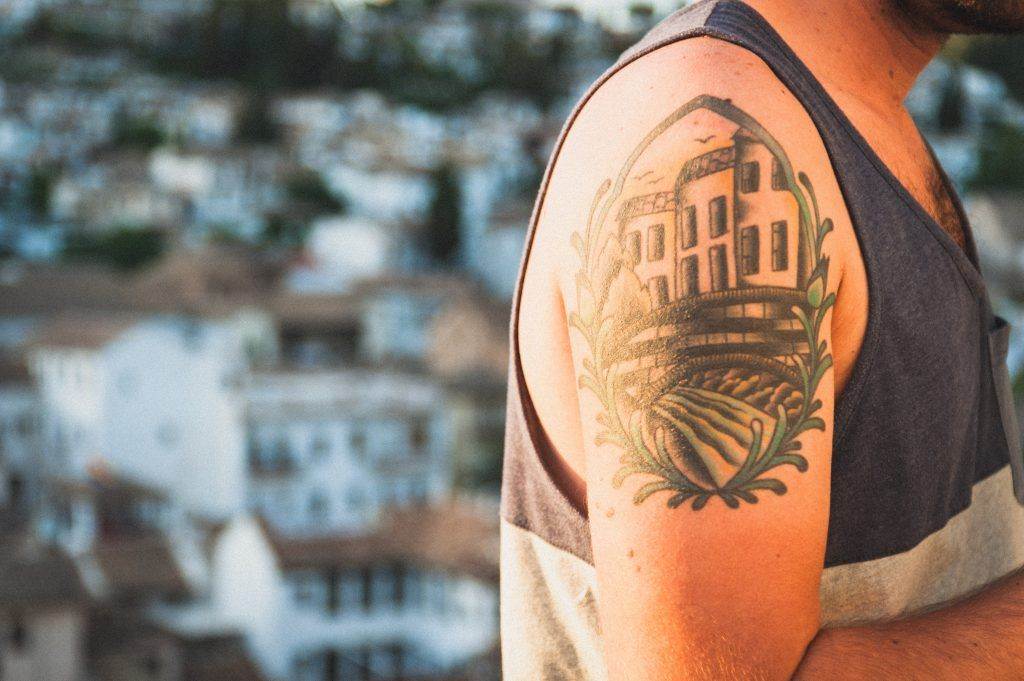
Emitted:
<point x="927" y="465"/>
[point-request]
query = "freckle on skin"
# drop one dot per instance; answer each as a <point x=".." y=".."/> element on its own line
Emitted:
<point x="630" y="554"/>
<point x="609" y="513"/>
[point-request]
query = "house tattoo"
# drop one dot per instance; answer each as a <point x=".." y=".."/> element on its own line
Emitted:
<point x="701" y="296"/>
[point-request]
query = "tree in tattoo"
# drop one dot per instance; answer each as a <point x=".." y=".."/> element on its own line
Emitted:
<point x="701" y="298"/>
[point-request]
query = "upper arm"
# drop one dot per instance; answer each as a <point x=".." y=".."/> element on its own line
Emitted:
<point x="700" y="304"/>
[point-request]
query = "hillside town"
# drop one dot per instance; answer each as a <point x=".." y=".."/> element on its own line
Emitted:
<point x="256" y="261"/>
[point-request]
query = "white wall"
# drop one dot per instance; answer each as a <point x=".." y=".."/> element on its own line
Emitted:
<point x="173" y="411"/>
<point x="370" y="458"/>
<point x="72" y="387"/>
<point x="248" y="593"/>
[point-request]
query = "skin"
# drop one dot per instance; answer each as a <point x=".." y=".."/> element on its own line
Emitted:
<point x="676" y="583"/>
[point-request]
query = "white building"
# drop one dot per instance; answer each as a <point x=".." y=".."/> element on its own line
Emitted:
<point x="329" y="449"/>
<point x="157" y="400"/>
<point x="342" y="250"/>
<point x="397" y="313"/>
<point x="413" y="598"/>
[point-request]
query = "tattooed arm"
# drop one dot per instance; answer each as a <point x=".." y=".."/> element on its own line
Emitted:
<point x="717" y="302"/>
<point x="701" y="315"/>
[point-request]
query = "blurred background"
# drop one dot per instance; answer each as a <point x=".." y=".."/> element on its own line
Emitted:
<point x="256" y="259"/>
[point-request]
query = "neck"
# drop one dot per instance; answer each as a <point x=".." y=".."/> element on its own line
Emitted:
<point x="868" y="50"/>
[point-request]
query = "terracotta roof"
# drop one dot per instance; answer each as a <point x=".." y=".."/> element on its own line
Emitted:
<point x="14" y="369"/>
<point x="203" y="281"/>
<point x="30" y="289"/>
<point x="420" y="284"/>
<point x="294" y="309"/>
<point x="140" y="566"/>
<point x="117" y="635"/>
<point x="90" y="331"/>
<point x="454" y="536"/>
<point x="113" y="630"/>
<point x="208" y="280"/>
<point x="33" y="575"/>
<point x="218" y="658"/>
<point x="101" y="481"/>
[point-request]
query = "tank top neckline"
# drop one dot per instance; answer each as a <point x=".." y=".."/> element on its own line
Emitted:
<point x="965" y="258"/>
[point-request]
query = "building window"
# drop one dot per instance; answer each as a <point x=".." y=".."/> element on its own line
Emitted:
<point x="352" y="664"/>
<point x="750" y="250"/>
<point x="319" y="507"/>
<point x="309" y="591"/>
<point x="24" y="425"/>
<point x="282" y="455"/>
<point x="688" y="227"/>
<point x="413" y="588"/>
<point x="780" y="246"/>
<point x="659" y="290"/>
<point x="419" y="435"/>
<point x="778" y="176"/>
<point x="689" y="275"/>
<point x="367" y="589"/>
<point x="19" y="635"/>
<point x="320" y="446"/>
<point x="655" y="242"/>
<point x="717" y="221"/>
<point x="633" y="246"/>
<point x="350" y="591"/>
<point x="719" y="268"/>
<point x="750" y="177"/>
<point x="167" y="435"/>
<point x="383" y="585"/>
<point x="386" y="662"/>
<point x="357" y="439"/>
<point x="310" y="668"/>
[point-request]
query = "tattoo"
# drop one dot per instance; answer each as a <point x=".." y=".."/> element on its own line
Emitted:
<point x="701" y="302"/>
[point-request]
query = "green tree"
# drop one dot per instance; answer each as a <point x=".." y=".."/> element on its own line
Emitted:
<point x="952" y="104"/>
<point x="308" y="188"/>
<point x="441" y="232"/>
<point x="285" y="230"/>
<point x="137" y="132"/>
<point x="256" y="125"/>
<point x="999" y="158"/>
<point x="126" y="248"/>
<point x="39" y="190"/>
<point x="1002" y="55"/>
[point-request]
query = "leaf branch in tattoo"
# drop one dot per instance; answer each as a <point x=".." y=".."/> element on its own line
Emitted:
<point x="701" y="297"/>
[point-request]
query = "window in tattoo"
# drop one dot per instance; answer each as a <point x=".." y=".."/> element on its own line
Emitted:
<point x="719" y="268"/>
<point x="656" y="242"/>
<point x="780" y="246"/>
<point x="718" y="216"/>
<point x="689" y="276"/>
<point x="750" y="177"/>
<point x="750" y="250"/>
<point x="688" y="227"/>
<point x="778" y="176"/>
